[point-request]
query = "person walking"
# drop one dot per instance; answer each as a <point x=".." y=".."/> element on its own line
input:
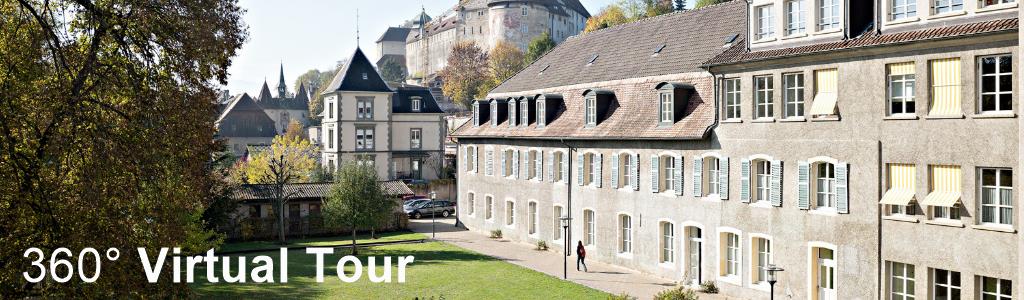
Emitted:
<point x="581" y="255"/>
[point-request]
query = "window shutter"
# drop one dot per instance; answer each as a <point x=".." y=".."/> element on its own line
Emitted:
<point x="504" y="164"/>
<point x="842" y="188"/>
<point x="515" y="164"/>
<point x="654" y="174"/>
<point x="615" y="171"/>
<point x="698" y="172"/>
<point x="550" y="166"/>
<point x="679" y="175"/>
<point x="723" y="178"/>
<point x="803" y="185"/>
<point x="489" y="163"/>
<point x="539" y="166"/>
<point x="600" y="160"/>
<point x="580" y="168"/>
<point x="465" y="159"/>
<point x="636" y="172"/>
<point x="745" y="180"/>
<point x="776" y="196"/>
<point x="565" y="166"/>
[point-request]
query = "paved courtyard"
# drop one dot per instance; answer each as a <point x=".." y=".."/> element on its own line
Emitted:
<point x="605" y="277"/>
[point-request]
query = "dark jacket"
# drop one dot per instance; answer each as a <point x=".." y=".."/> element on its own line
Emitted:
<point x="581" y="252"/>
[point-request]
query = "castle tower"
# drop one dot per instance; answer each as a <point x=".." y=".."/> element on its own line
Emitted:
<point x="282" y="89"/>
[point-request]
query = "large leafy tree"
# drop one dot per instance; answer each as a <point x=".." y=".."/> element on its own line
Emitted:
<point x="356" y="200"/>
<point x="626" y="11"/>
<point x="465" y="73"/>
<point x="504" y="61"/>
<point x="609" y="16"/>
<point x="106" y="126"/>
<point x="316" y="81"/>
<point x="391" y="70"/>
<point x="538" y="46"/>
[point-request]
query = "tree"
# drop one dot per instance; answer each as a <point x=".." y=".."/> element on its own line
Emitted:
<point x="680" y="5"/>
<point x="106" y="131"/>
<point x="609" y="16"/>
<point x="356" y="200"/>
<point x="465" y="72"/>
<point x="539" y="46"/>
<point x="626" y="11"/>
<point x="391" y="70"/>
<point x="315" y="81"/>
<point x="505" y="60"/>
<point x="703" y="3"/>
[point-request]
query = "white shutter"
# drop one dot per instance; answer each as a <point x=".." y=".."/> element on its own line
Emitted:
<point x="745" y="180"/>
<point x="698" y="174"/>
<point x="565" y="166"/>
<point x="655" y="168"/>
<point x="600" y="160"/>
<point x="504" y="164"/>
<point x="679" y="175"/>
<point x="636" y="172"/>
<point x="615" y="171"/>
<point x="842" y="188"/>
<point x="580" y="168"/>
<point x="539" y="166"/>
<point x="550" y="166"/>
<point x="776" y="196"/>
<point x="489" y="162"/>
<point x="723" y="178"/>
<point x="803" y="185"/>
<point x="515" y="164"/>
<point x="465" y="158"/>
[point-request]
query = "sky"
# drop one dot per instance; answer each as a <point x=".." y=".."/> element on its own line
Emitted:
<point x="315" y="34"/>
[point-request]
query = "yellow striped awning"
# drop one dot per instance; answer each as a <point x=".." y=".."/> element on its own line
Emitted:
<point x="897" y="197"/>
<point x="901" y="185"/>
<point x="826" y="89"/>
<point x="946" y="183"/>
<point x="906" y="68"/>
<point x="946" y="87"/>
<point x="942" y="198"/>
<point x="824" y="104"/>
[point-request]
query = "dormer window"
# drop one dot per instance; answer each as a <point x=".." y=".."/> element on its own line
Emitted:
<point x="548" y="107"/>
<point x="498" y="112"/>
<point x="590" y="113"/>
<point x="494" y="113"/>
<point x="524" y="112"/>
<point x="672" y="99"/>
<point x="541" y="111"/>
<point x="481" y="113"/>
<point x="476" y="114"/>
<point x="665" y="107"/>
<point x="417" y="104"/>
<point x="512" y="113"/>
<point x="597" y="105"/>
<point x="365" y="76"/>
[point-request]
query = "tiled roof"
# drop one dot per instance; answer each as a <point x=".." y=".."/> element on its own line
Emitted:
<point x="403" y="100"/>
<point x="349" y="77"/>
<point x="626" y="51"/>
<point x="394" y="34"/>
<point x="871" y="38"/>
<point x="256" y="192"/>
<point x="243" y="117"/>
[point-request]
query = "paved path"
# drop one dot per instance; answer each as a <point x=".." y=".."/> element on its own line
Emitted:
<point x="605" y="277"/>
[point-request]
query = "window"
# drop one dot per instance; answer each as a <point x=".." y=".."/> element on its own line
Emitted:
<point x="471" y="159"/>
<point x="945" y="89"/>
<point x="826" y="88"/>
<point x="590" y="115"/>
<point x="533" y="218"/>
<point x="898" y="198"/>
<point x="416" y="104"/>
<point x="559" y="231"/>
<point x="997" y="196"/>
<point x="901" y="89"/>
<point x="945" y="284"/>
<point x="730" y="247"/>
<point x="666" y="111"/>
<point x="828" y="14"/>
<point x="524" y="113"/>
<point x="732" y="98"/>
<point x="627" y="170"/>
<point x="712" y="170"/>
<point x="762" y="256"/>
<point x="494" y="113"/>
<point x="996" y="83"/>
<point x="512" y="113"/>
<point x="364" y="138"/>
<point x="824" y="273"/>
<point x="764" y="22"/>
<point x="330" y="110"/>
<point x="945" y="6"/>
<point x="764" y="103"/>
<point x="509" y="163"/>
<point x="416" y="138"/>
<point x="525" y="10"/>
<point x="795" y="17"/>
<point x="364" y="108"/>
<point x="995" y="289"/>
<point x="365" y="76"/>
<point x="668" y="242"/>
<point x="510" y="213"/>
<point x="472" y="204"/>
<point x="476" y="113"/>
<point x="669" y="166"/>
<point x="592" y="165"/>
<point x="793" y="84"/>
<point x="762" y="180"/>
<point x="489" y="162"/>
<point x="559" y="166"/>
<point x="626" y="234"/>
<point x="986" y="3"/>
<point x="330" y="138"/>
<point x="524" y="27"/>
<point x="901" y="281"/>
<point x="945" y="192"/>
<point x="542" y="117"/>
<point x="825" y="186"/>
<point x="534" y="160"/>
<point x="588" y="227"/>
<point x="902" y="9"/>
<point x="489" y="211"/>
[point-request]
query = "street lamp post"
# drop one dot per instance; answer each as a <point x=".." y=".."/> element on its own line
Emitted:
<point x="565" y="260"/>
<point x="433" y="208"/>
<point x="772" y="270"/>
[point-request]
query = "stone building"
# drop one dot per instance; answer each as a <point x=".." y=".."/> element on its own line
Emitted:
<point x="487" y="22"/>
<point x="246" y="121"/>
<point x="399" y="130"/>
<point x="866" y="147"/>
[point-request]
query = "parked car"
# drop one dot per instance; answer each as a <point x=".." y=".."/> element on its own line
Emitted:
<point x="414" y="202"/>
<point x="444" y="208"/>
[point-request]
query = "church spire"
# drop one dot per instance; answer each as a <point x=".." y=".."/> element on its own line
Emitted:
<point x="282" y="88"/>
<point x="264" y="92"/>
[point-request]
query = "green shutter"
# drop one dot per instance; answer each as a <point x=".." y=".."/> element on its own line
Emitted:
<point x="515" y="164"/>
<point x="504" y="164"/>
<point x="803" y="185"/>
<point x="776" y="196"/>
<point x="615" y="171"/>
<point x="745" y="180"/>
<point x="679" y="175"/>
<point x="566" y="158"/>
<point x="580" y="168"/>
<point x="636" y="172"/>
<point x="655" y="180"/>
<point x="842" y="188"/>
<point x="723" y="178"/>
<point x="539" y="166"/>
<point x="600" y="160"/>
<point x="698" y="172"/>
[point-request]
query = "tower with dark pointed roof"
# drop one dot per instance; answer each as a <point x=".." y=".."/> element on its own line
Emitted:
<point x="265" y="93"/>
<point x="282" y="88"/>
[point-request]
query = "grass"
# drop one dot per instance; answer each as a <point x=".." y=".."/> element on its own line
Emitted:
<point x="323" y="241"/>
<point x="439" y="270"/>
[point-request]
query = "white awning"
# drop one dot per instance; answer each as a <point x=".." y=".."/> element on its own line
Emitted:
<point x="897" y="197"/>
<point x="824" y="104"/>
<point x="942" y="198"/>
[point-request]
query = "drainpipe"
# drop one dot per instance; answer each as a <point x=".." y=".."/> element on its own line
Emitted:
<point x="568" y="189"/>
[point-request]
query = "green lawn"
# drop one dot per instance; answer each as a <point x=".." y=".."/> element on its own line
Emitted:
<point x="439" y="270"/>
<point x="323" y="241"/>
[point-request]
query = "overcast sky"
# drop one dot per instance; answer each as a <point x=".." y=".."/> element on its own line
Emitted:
<point x="307" y="34"/>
